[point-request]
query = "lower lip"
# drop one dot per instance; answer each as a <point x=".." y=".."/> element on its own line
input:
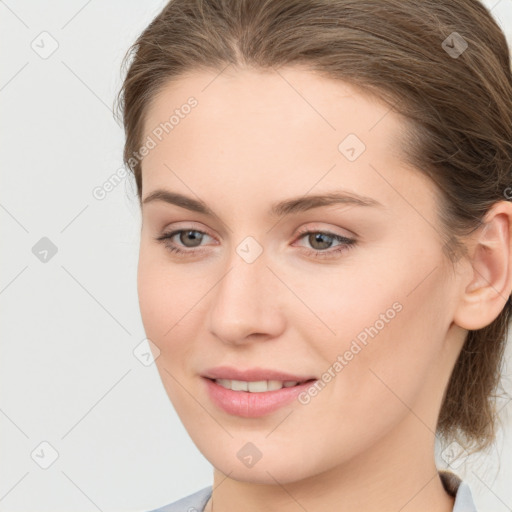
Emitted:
<point x="253" y="405"/>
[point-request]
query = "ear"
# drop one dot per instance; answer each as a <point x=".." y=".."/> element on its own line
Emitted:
<point x="489" y="283"/>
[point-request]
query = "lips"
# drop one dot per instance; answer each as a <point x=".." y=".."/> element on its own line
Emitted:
<point x="252" y="405"/>
<point x="256" y="403"/>
<point x="253" y="374"/>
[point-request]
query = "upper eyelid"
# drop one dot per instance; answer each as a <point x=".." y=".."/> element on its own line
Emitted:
<point x="300" y="231"/>
<point x="176" y="231"/>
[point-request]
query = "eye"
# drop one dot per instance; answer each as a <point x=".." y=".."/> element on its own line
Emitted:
<point x="186" y="236"/>
<point x="322" y="240"/>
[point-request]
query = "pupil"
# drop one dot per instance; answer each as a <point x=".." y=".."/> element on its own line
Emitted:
<point x="191" y="236"/>
<point x="318" y="237"/>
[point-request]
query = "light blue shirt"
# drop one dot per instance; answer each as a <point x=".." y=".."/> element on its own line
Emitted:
<point x="452" y="483"/>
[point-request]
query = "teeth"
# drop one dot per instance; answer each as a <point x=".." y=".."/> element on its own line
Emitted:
<point x="257" y="386"/>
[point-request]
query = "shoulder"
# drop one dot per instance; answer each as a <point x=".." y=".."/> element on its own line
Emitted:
<point x="460" y="490"/>
<point x="193" y="503"/>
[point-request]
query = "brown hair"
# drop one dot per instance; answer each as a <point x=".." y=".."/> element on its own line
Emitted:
<point x="457" y="106"/>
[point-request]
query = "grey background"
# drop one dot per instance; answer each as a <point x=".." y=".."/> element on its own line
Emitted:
<point x="68" y="373"/>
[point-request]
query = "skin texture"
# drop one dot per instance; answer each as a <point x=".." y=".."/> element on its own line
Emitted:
<point x="366" y="441"/>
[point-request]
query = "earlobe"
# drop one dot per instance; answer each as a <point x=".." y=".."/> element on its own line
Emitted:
<point x="486" y="292"/>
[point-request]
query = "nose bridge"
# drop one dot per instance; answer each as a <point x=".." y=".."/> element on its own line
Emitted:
<point x="242" y="292"/>
<point x="245" y="301"/>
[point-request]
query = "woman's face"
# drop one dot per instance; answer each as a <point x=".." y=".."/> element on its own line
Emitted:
<point x="368" y="315"/>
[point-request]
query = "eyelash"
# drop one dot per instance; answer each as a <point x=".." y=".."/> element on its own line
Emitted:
<point x="345" y="243"/>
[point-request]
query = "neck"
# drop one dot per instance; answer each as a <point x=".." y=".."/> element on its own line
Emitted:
<point x="394" y="475"/>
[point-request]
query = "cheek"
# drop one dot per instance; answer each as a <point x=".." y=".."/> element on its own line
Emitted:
<point x="172" y="304"/>
<point x="386" y="328"/>
<point x="162" y="304"/>
<point x="161" y="297"/>
<point x="152" y="305"/>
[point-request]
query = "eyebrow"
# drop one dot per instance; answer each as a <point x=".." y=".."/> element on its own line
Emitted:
<point x="288" y="206"/>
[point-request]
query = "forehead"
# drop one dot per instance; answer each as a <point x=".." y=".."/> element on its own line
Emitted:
<point x="285" y="128"/>
<point x="289" y="100"/>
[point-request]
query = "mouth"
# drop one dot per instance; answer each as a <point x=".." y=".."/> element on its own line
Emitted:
<point x="253" y="399"/>
<point x="259" y="386"/>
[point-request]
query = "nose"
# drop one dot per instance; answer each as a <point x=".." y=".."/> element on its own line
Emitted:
<point x="246" y="302"/>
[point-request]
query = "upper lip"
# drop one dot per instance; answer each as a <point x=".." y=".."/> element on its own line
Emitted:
<point x="252" y="374"/>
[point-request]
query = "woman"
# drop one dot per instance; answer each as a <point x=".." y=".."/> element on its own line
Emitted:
<point x="325" y="256"/>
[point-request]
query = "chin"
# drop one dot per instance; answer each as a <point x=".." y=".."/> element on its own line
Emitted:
<point x="274" y="465"/>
